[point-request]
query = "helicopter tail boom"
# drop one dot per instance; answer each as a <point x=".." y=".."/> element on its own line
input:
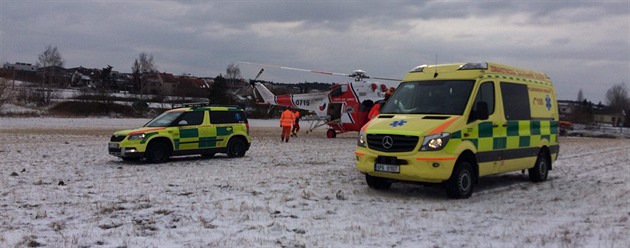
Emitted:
<point x="267" y="96"/>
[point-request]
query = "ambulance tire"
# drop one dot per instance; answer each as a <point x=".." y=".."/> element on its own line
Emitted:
<point x="377" y="183"/>
<point x="331" y="133"/>
<point x="460" y="185"/>
<point x="158" y="152"/>
<point x="540" y="171"/>
<point x="236" y="148"/>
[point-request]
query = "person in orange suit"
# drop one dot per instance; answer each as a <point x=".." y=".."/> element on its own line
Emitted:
<point x="376" y="109"/>
<point x="287" y="119"/>
<point x="296" y="124"/>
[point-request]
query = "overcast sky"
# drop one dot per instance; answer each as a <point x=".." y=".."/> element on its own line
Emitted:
<point x="579" y="44"/>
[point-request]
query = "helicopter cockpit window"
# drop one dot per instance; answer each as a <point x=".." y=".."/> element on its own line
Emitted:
<point x="448" y="97"/>
<point x="336" y="91"/>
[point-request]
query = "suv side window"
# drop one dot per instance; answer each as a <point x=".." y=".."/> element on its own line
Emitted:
<point x="515" y="101"/>
<point x="224" y="117"/>
<point x="191" y="118"/>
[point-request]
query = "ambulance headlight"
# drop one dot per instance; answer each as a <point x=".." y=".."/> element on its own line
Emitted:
<point x="139" y="136"/>
<point x="362" y="141"/>
<point x="435" y="142"/>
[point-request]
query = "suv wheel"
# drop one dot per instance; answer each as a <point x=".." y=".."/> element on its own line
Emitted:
<point x="158" y="152"/>
<point x="236" y="148"/>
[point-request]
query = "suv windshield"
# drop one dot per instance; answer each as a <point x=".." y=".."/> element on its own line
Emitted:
<point x="163" y="120"/>
<point x="446" y="97"/>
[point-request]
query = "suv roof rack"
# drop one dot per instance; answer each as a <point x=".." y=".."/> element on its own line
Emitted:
<point x="205" y="104"/>
<point x="194" y="104"/>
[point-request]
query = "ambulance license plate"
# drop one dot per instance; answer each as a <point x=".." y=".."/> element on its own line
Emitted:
<point x="387" y="168"/>
<point x="113" y="145"/>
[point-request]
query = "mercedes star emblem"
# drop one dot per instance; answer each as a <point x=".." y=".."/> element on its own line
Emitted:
<point x="387" y="142"/>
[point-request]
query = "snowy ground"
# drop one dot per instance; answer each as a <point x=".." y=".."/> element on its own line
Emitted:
<point x="305" y="193"/>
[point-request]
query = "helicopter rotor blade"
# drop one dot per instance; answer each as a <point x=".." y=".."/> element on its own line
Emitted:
<point x="260" y="72"/>
<point x="388" y="79"/>
<point x="296" y="69"/>
<point x="358" y="74"/>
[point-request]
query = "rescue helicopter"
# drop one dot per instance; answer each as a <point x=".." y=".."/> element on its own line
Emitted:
<point x="343" y="108"/>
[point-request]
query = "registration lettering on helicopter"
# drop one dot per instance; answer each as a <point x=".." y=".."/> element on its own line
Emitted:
<point x="302" y="102"/>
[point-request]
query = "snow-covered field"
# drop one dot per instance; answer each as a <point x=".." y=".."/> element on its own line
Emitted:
<point x="60" y="188"/>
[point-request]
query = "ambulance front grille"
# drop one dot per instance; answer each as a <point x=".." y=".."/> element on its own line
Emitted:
<point x="399" y="143"/>
<point x="117" y="138"/>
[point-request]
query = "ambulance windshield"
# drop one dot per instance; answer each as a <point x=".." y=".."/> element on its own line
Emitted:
<point x="163" y="120"/>
<point x="444" y="97"/>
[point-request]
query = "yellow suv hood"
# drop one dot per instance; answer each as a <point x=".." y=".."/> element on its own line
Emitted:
<point x="138" y="130"/>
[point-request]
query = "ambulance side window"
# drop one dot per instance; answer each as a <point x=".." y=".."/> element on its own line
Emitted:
<point x="191" y="118"/>
<point x="485" y="94"/>
<point x="515" y="101"/>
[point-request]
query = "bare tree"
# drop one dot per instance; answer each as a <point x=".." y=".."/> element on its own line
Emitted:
<point x="617" y="97"/>
<point x="141" y="66"/>
<point x="6" y="91"/>
<point x="233" y="73"/>
<point x="580" y="96"/>
<point x="49" y="61"/>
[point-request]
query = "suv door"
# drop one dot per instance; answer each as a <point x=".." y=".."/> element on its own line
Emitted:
<point x="186" y="130"/>
<point x="226" y="123"/>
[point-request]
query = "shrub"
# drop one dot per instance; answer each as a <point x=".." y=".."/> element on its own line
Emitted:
<point x="75" y="108"/>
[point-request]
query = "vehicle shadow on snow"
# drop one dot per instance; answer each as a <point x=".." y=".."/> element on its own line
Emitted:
<point x="176" y="159"/>
<point x="487" y="185"/>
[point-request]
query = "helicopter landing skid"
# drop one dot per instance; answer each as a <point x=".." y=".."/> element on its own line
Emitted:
<point x="315" y="122"/>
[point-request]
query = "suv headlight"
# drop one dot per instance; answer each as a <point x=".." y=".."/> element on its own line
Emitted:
<point x="139" y="136"/>
<point x="362" y="141"/>
<point x="435" y="142"/>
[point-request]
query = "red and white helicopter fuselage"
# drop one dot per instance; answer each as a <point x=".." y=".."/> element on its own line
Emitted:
<point x="344" y="107"/>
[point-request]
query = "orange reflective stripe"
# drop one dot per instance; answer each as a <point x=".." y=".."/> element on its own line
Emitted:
<point x="148" y="130"/>
<point x="435" y="159"/>
<point x="444" y="126"/>
<point x="359" y="154"/>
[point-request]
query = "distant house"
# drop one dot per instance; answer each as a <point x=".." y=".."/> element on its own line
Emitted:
<point x="167" y="84"/>
<point x="18" y="66"/>
<point x="192" y="86"/>
<point x="80" y="80"/>
<point x="609" y="116"/>
<point x="20" y="71"/>
<point x="566" y="108"/>
<point x="55" y="76"/>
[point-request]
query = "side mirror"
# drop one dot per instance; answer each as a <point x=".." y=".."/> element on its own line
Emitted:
<point x="482" y="111"/>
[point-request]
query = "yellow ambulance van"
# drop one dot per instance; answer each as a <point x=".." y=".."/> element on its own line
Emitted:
<point x="451" y="124"/>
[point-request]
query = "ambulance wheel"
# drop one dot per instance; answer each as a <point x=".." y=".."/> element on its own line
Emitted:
<point x="236" y="148"/>
<point x="541" y="169"/>
<point x="460" y="185"/>
<point x="377" y="183"/>
<point x="331" y="133"/>
<point x="158" y="152"/>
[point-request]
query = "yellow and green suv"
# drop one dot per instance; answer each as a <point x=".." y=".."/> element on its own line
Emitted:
<point x="193" y="129"/>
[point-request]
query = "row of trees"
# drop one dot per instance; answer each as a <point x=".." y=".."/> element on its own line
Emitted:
<point x="51" y="61"/>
